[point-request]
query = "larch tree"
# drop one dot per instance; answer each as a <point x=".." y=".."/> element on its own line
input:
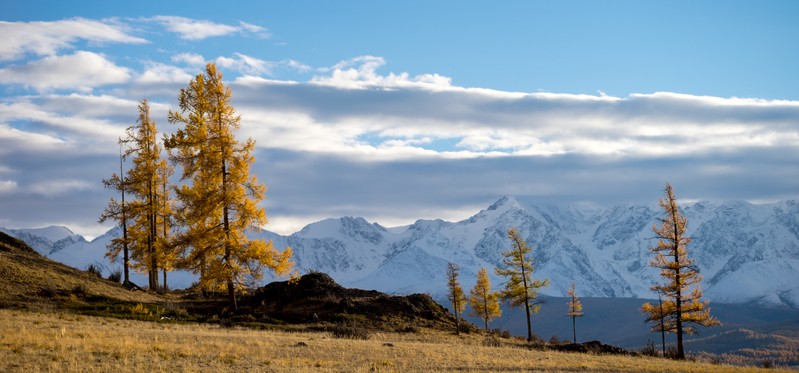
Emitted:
<point x="520" y="289"/>
<point x="219" y="202"/>
<point x="168" y="255"/>
<point x="119" y="212"/>
<point x="682" y="306"/>
<point x="143" y="181"/>
<point x="483" y="302"/>
<point x="455" y="295"/>
<point x="575" y="309"/>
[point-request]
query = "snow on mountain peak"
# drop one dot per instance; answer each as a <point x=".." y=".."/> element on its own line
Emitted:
<point x="745" y="252"/>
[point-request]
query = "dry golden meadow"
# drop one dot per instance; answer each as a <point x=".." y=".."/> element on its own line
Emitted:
<point x="48" y="342"/>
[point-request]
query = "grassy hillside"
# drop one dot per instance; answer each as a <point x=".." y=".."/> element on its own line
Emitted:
<point x="31" y="342"/>
<point x="45" y="326"/>
<point x="29" y="280"/>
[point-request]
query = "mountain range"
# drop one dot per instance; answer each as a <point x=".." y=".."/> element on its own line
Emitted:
<point x="746" y="252"/>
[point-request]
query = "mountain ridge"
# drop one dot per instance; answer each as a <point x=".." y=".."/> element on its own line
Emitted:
<point x="746" y="252"/>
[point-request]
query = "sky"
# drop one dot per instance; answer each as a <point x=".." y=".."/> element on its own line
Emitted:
<point x="397" y="111"/>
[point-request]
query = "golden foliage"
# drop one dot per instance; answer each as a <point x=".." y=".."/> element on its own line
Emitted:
<point x="681" y="306"/>
<point x="520" y="289"/>
<point x="220" y="200"/>
<point x="483" y="302"/>
<point x="575" y="306"/>
<point x="455" y="295"/>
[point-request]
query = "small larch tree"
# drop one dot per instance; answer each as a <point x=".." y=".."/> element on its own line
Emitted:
<point x="483" y="302"/>
<point x="144" y="180"/>
<point x="219" y="201"/>
<point x="119" y="212"/>
<point x="575" y="309"/>
<point x="139" y="214"/>
<point x="682" y="306"/>
<point x="456" y="295"/>
<point x="520" y="289"/>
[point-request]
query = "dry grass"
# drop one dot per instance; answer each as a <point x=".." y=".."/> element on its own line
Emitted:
<point x="29" y="280"/>
<point x="34" y="342"/>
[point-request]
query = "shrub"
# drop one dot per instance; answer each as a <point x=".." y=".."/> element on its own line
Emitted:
<point x="671" y="352"/>
<point x="650" y="349"/>
<point x="79" y="290"/>
<point x="173" y="311"/>
<point x="48" y="292"/>
<point x="491" y="341"/>
<point x="407" y="329"/>
<point x="95" y="270"/>
<point x="115" y="276"/>
<point x="140" y="310"/>
<point x="350" y="332"/>
<point x="554" y="340"/>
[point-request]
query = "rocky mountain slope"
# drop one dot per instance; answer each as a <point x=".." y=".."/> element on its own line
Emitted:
<point x="746" y="252"/>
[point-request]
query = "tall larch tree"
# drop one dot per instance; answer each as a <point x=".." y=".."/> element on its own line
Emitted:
<point x="219" y="202"/>
<point x="119" y="212"/>
<point x="483" y="302"/>
<point x="682" y="306"/>
<point x="456" y="295"/>
<point x="575" y="309"/>
<point x="144" y="179"/>
<point x="520" y="289"/>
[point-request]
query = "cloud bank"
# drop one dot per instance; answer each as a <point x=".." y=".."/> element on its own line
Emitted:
<point x="348" y="139"/>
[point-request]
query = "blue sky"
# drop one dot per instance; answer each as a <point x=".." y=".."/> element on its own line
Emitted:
<point x="402" y="110"/>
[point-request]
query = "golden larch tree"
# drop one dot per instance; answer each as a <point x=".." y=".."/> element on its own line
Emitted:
<point x="682" y="305"/>
<point x="167" y="254"/>
<point x="575" y="309"/>
<point x="220" y="200"/>
<point x="143" y="181"/>
<point x="483" y="302"/>
<point x="520" y="289"/>
<point x="455" y="295"/>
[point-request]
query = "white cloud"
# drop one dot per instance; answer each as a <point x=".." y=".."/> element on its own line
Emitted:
<point x="245" y="64"/>
<point x="14" y="140"/>
<point x="351" y="109"/>
<point x="49" y="124"/>
<point x="251" y="66"/>
<point x="54" y="188"/>
<point x="161" y="73"/>
<point x="193" y="29"/>
<point x="82" y="71"/>
<point x="360" y="73"/>
<point x="260" y="32"/>
<point x="47" y="38"/>
<point x="191" y="59"/>
<point x="7" y="186"/>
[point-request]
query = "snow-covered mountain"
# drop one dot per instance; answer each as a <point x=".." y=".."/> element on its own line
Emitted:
<point x="745" y="252"/>
<point x="48" y="240"/>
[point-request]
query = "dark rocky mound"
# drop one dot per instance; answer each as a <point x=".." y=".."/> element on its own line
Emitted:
<point x="317" y="298"/>
<point x="594" y="347"/>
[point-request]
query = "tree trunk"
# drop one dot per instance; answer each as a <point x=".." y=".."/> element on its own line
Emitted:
<point x="166" y="287"/>
<point x="662" y="326"/>
<point x="485" y="310"/>
<point x="574" y="328"/>
<point x="526" y="297"/>
<point x="125" y="254"/>
<point x="457" y="322"/>
<point x="678" y="297"/>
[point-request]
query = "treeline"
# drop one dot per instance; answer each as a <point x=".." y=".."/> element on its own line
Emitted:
<point x="198" y="225"/>
<point x="678" y="313"/>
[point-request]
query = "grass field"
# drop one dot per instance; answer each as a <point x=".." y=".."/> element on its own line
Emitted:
<point x="38" y="342"/>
